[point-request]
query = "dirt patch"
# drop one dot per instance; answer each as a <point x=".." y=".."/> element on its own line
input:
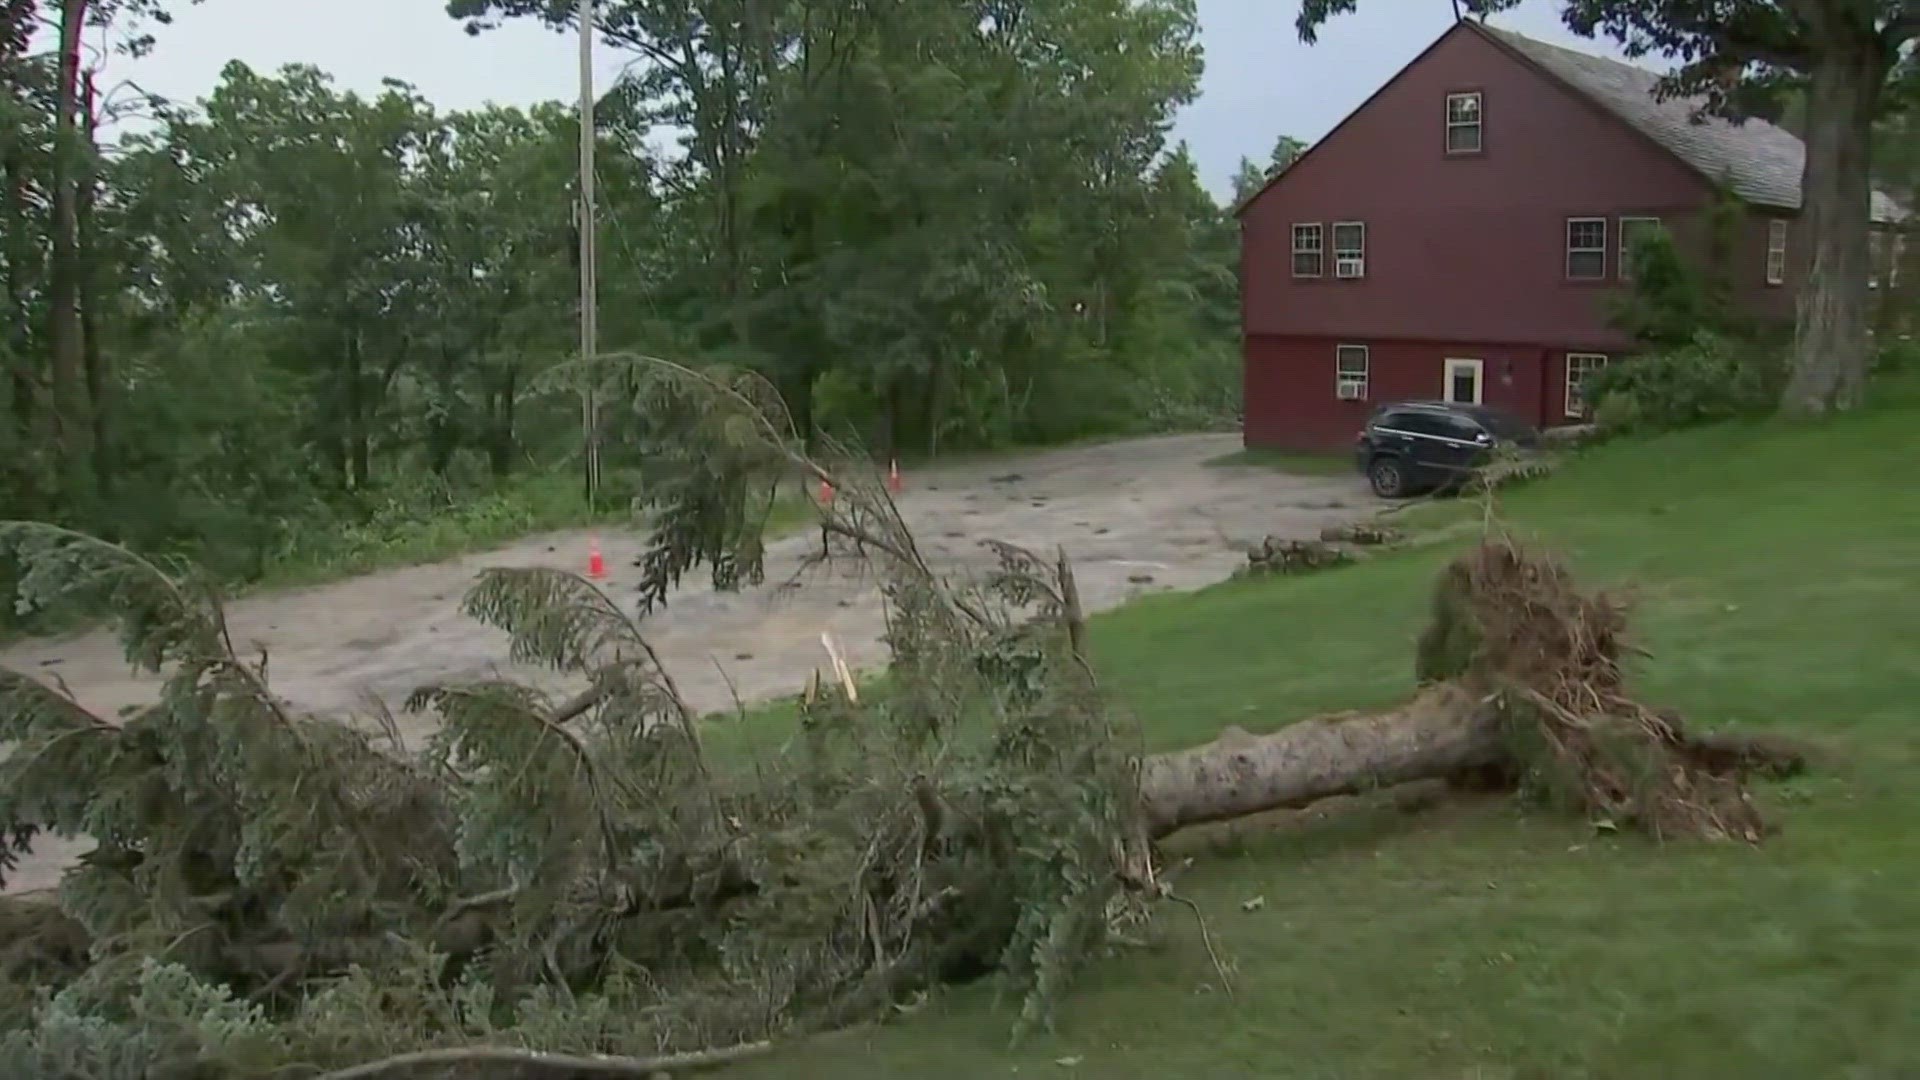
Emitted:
<point x="1155" y="512"/>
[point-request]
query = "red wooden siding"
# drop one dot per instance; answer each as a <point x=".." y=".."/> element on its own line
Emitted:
<point x="1460" y="248"/>
<point x="1466" y="254"/>
<point x="1293" y="380"/>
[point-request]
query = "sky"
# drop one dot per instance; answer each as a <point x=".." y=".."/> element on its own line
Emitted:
<point x="1260" y="81"/>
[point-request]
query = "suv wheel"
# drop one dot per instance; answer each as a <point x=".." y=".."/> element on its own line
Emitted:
<point x="1388" y="477"/>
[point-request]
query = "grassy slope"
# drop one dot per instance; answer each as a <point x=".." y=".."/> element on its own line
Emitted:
<point x="1778" y="576"/>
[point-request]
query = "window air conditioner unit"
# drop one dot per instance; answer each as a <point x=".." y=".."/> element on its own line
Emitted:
<point x="1351" y="267"/>
<point x="1349" y="391"/>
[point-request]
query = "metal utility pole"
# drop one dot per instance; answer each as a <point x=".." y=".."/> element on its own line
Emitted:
<point x="589" y="278"/>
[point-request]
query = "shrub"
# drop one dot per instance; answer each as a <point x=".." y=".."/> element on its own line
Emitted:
<point x="1711" y="377"/>
<point x="1896" y="354"/>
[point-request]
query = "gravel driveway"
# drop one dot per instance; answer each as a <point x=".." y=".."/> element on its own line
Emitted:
<point x="1137" y="516"/>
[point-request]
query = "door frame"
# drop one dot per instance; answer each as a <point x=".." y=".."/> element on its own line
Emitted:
<point x="1456" y="363"/>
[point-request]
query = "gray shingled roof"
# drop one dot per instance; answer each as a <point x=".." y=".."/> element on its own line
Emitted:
<point x="1760" y="161"/>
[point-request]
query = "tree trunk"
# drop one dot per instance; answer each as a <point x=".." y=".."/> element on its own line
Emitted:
<point x="87" y="272"/>
<point x="1830" y="335"/>
<point x="1442" y="732"/>
<point x="500" y="430"/>
<point x="442" y="433"/>
<point x="72" y="440"/>
<point x="353" y="415"/>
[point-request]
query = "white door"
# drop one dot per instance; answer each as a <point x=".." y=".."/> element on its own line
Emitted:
<point x="1465" y="381"/>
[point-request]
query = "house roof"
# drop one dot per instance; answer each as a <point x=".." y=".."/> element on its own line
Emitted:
<point x="1760" y="161"/>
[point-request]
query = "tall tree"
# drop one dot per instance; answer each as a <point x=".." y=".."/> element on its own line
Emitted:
<point x="1732" y="54"/>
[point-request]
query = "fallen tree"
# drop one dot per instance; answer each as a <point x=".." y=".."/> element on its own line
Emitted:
<point x="271" y="888"/>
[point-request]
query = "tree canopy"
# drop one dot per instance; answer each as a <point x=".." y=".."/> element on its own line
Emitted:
<point x="290" y="309"/>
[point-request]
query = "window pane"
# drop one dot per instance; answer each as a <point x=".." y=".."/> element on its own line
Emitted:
<point x="1463" y="138"/>
<point x="1587" y="264"/>
<point x="1306" y="264"/>
<point x="1352" y="361"/>
<point x="1463" y="108"/>
<point x="1349" y="238"/>
<point x="1587" y="233"/>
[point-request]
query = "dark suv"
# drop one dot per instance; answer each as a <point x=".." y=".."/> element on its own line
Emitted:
<point x="1415" y="446"/>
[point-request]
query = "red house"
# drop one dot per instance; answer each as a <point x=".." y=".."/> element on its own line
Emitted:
<point x="1458" y="235"/>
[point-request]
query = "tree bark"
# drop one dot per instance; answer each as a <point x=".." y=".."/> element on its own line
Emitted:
<point x="1830" y="335"/>
<point x="500" y="426"/>
<point x="99" y="380"/>
<point x="1444" y="731"/>
<point x="359" y="459"/>
<point x="72" y="439"/>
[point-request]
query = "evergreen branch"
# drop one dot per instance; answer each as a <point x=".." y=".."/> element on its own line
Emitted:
<point x="467" y="708"/>
<point x="535" y="1065"/>
<point x="158" y="621"/>
<point x="553" y="617"/>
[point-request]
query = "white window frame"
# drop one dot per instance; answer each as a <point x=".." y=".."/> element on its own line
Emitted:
<point x="1478" y="123"/>
<point x="1579" y="366"/>
<point x="1352" y="265"/>
<point x="1318" y="250"/>
<point x="1777" y="251"/>
<point x="1454" y="364"/>
<point x="1886" y="249"/>
<point x="1566" y="238"/>
<point x="1343" y="377"/>
<point x="1626" y="257"/>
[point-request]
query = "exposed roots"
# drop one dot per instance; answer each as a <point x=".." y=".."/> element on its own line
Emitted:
<point x="1513" y="625"/>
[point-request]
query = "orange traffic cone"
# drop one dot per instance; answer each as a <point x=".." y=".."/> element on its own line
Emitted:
<point x="826" y="493"/>
<point x="893" y="476"/>
<point x="596" y="565"/>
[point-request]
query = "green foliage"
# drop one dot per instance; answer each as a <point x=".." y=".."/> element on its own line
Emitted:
<point x="319" y="320"/>
<point x="1897" y="355"/>
<point x="1671" y="299"/>
<point x="1712" y="377"/>
<point x="514" y="876"/>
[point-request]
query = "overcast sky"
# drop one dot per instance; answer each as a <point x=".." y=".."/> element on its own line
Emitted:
<point x="1260" y="81"/>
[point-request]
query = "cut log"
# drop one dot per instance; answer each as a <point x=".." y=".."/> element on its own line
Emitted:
<point x="1444" y="731"/>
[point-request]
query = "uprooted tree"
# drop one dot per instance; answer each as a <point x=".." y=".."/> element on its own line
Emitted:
<point x="586" y="874"/>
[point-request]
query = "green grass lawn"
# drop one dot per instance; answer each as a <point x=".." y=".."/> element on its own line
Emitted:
<point x="1777" y="577"/>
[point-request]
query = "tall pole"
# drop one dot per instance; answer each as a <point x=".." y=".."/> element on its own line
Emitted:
<point x="589" y="277"/>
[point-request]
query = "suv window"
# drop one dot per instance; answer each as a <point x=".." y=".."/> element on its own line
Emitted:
<point x="1420" y="423"/>
<point x="1458" y="427"/>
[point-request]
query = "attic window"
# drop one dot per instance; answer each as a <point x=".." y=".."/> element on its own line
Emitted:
<point x="1463" y="123"/>
<point x="1309" y="250"/>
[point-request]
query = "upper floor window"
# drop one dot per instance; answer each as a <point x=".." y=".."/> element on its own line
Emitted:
<point x="1309" y="251"/>
<point x="1349" y="249"/>
<point x="1586" y="249"/>
<point x="1885" y="250"/>
<point x="1463" y="123"/>
<point x="1776" y="252"/>
<point x="1634" y="231"/>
